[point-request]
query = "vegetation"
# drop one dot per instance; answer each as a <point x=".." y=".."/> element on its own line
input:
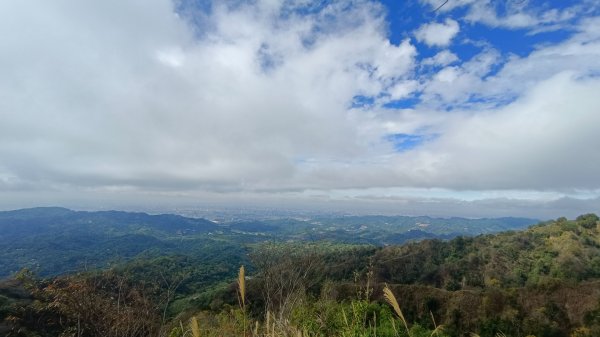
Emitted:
<point x="53" y="241"/>
<point x="542" y="282"/>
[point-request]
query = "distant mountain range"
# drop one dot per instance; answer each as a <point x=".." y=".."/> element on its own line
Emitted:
<point x="54" y="240"/>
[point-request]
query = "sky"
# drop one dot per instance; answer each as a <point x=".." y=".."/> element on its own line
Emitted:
<point x="470" y="108"/>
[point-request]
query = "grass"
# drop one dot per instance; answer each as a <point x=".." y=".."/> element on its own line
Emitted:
<point x="353" y="320"/>
<point x="195" y="327"/>
<point x="391" y="299"/>
<point x="242" y="295"/>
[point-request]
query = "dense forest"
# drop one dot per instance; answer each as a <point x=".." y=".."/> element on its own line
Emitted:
<point x="543" y="281"/>
<point x="53" y="240"/>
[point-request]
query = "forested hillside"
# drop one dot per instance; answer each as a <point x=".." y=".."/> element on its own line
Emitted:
<point x="561" y="249"/>
<point x="543" y="281"/>
<point x="53" y="241"/>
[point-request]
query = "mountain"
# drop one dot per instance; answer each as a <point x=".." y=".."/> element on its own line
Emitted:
<point x="542" y="281"/>
<point x="385" y="230"/>
<point x="42" y="220"/>
<point x="54" y="240"/>
<point x="561" y="249"/>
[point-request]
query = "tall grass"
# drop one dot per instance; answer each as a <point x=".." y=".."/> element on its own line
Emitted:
<point x="195" y="327"/>
<point x="352" y="319"/>
<point x="391" y="299"/>
<point x="437" y="329"/>
<point x="242" y="295"/>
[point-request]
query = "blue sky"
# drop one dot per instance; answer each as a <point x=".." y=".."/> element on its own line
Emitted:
<point x="478" y="108"/>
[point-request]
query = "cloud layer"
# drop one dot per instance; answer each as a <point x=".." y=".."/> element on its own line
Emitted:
<point x="273" y="97"/>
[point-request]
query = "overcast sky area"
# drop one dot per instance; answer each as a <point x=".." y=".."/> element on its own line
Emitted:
<point x="476" y="108"/>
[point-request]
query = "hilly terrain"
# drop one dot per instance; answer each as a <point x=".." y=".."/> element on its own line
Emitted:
<point x="57" y="240"/>
<point x="541" y="281"/>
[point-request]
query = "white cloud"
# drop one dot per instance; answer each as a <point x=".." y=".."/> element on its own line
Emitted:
<point x="516" y="14"/>
<point x="443" y="58"/>
<point x="402" y="89"/>
<point x="539" y="142"/>
<point x="446" y="6"/>
<point x="455" y="84"/>
<point x="172" y="57"/>
<point x="534" y="143"/>
<point x="125" y="94"/>
<point x="490" y="79"/>
<point x="127" y="99"/>
<point x="438" y="34"/>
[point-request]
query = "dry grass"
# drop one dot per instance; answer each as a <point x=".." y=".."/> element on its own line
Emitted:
<point x="437" y="329"/>
<point x="195" y="327"/>
<point x="242" y="287"/>
<point x="282" y="327"/>
<point x="391" y="299"/>
<point x="242" y="294"/>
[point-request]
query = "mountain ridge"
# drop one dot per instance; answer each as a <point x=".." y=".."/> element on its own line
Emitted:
<point x="54" y="240"/>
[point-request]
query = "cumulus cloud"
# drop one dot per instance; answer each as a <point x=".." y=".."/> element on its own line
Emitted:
<point x="544" y="141"/>
<point x="443" y="58"/>
<point x="438" y="34"/>
<point x="455" y="84"/>
<point x="490" y="78"/>
<point x="126" y="94"/>
<point x="517" y="16"/>
<point x="534" y="16"/>
<point x="521" y="126"/>
<point x="135" y="101"/>
<point x="532" y="143"/>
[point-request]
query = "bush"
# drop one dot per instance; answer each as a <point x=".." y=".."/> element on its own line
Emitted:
<point x="587" y="220"/>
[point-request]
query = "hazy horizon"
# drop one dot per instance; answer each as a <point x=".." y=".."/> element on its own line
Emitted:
<point x="282" y="208"/>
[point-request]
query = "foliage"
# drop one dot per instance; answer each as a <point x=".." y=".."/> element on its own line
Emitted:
<point x="565" y="250"/>
<point x="103" y="304"/>
<point x="53" y="241"/>
<point x="543" y="282"/>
